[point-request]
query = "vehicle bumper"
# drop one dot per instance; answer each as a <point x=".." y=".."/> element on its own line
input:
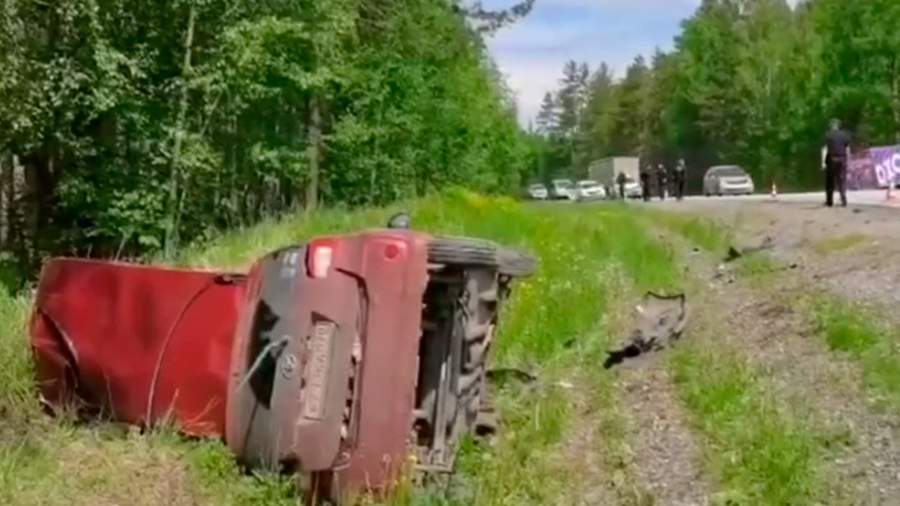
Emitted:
<point x="736" y="190"/>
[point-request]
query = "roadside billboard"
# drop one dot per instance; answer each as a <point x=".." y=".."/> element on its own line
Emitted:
<point x="874" y="168"/>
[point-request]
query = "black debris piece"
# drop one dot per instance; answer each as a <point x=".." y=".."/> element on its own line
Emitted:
<point x="660" y="323"/>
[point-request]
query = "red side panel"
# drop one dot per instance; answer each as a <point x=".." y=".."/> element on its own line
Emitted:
<point x="109" y="335"/>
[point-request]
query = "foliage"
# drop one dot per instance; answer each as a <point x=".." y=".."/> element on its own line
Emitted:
<point x="138" y="123"/>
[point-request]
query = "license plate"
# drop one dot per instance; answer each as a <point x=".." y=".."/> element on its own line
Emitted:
<point x="317" y="370"/>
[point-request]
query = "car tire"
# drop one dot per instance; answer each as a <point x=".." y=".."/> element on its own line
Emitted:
<point x="473" y="252"/>
<point x="462" y="252"/>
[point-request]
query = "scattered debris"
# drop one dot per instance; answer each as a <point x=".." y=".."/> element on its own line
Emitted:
<point x="661" y="320"/>
<point x="735" y="253"/>
<point x="565" y="384"/>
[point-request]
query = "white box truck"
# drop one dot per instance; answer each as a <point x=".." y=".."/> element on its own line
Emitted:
<point x="606" y="170"/>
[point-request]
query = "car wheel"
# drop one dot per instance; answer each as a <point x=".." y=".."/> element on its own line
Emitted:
<point x="473" y="252"/>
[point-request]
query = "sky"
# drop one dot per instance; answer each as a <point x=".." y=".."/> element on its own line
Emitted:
<point x="531" y="52"/>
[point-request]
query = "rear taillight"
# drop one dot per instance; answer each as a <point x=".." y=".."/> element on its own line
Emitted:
<point x="319" y="258"/>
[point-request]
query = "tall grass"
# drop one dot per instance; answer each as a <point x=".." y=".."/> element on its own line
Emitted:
<point x="860" y="333"/>
<point x="702" y="232"/>
<point x="761" y="453"/>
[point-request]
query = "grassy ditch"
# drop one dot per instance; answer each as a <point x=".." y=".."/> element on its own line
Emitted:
<point x="758" y="450"/>
<point x="555" y="321"/>
<point x="858" y="332"/>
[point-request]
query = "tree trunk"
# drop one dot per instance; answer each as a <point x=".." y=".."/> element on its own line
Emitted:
<point x="6" y="189"/>
<point x="171" y="238"/>
<point x="314" y="151"/>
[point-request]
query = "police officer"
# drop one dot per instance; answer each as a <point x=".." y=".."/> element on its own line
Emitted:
<point x="645" y="183"/>
<point x="835" y="155"/>
<point x="662" y="178"/>
<point x="680" y="178"/>
<point x="620" y="181"/>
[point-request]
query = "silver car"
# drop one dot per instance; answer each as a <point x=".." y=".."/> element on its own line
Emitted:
<point x="563" y="189"/>
<point x="589" y="190"/>
<point x="538" y="191"/>
<point x="727" y="180"/>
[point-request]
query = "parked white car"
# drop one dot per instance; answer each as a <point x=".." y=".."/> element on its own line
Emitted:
<point x="538" y="191"/>
<point x="727" y="180"/>
<point x="563" y="189"/>
<point x="589" y="190"/>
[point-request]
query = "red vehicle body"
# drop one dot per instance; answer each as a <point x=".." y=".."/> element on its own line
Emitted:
<point x="328" y="359"/>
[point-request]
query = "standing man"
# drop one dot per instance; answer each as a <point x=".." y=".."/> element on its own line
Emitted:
<point x="645" y="183"/>
<point x="680" y="178"/>
<point x="663" y="180"/>
<point x="620" y="181"/>
<point x="835" y="155"/>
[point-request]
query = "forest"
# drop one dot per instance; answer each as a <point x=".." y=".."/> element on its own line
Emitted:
<point x="751" y="82"/>
<point x="135" y="127"/>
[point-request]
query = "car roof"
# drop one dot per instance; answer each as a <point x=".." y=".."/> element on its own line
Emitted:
<point x="724" y="167"/>
<point x="536" y="185"/>
<point x="588" y="181"/>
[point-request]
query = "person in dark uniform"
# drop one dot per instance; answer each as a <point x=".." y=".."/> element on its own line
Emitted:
<point x="645" y="184"/>
<point x="835" y="155"/>
<point x="620" y="181"/>
<point x="662" y="178"/>
<point x="680" y="178"/>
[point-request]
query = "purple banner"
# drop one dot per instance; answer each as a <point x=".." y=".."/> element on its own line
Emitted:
<point x="874" y="168"/>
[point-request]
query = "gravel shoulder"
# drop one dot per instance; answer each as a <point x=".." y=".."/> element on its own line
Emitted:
<point x="848" y="253"/>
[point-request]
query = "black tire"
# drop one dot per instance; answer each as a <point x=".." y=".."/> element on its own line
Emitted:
<point x="455" y="251"/>
<point x="478" y="253"/>
<point x="516" y="263"/>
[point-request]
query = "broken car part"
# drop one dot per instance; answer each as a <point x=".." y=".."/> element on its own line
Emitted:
<point x="660" y="322"/>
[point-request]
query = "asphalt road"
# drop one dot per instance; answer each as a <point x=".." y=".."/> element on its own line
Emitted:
<point x="855" y="198"/>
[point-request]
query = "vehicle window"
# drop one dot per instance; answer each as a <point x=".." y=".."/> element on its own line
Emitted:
<point x="729" y="172"/>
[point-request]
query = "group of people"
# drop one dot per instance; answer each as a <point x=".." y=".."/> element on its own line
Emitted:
<point x="835" y="159"/>
<point x="678" y="177"/>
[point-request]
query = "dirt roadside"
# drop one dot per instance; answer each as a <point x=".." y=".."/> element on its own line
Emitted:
<point x="850" y="254"/>
<point x="847" y="252"/>
<point x="853" y="252"/>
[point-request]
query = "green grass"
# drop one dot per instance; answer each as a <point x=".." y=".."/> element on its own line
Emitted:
<point x="757" y="267"/>
<point x="761" y="454"/>
<point x="582" y="252"/>
<point x="861" y="334"/>
<point x="702" y="232"/>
